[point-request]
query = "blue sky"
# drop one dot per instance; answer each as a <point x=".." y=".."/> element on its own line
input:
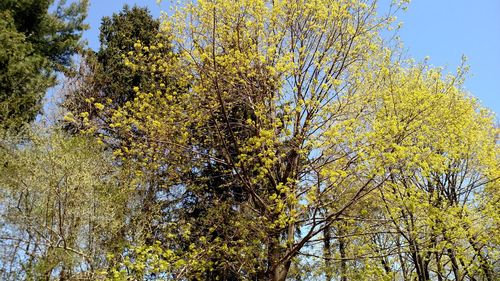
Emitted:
<point x="444" y="30"/>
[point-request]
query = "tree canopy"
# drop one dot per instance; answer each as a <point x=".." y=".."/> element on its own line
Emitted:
<point x="257" y="140"/>
<point x="36" y="43"/>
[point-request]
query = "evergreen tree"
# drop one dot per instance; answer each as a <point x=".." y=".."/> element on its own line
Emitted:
<point x="36" y="43"/>
<point x="118" y="34"/>
<point x="107" y="79"/>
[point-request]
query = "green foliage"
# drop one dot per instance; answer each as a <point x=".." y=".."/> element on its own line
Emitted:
<point x="118" y="35"/>
<point x="108" y="80"/>
<point x="287" y="136"/>
<point x="35" y="44"/>
<point x="22" y="83"/>
<point x="255" y="140"/>
<point x="62" y="207"/>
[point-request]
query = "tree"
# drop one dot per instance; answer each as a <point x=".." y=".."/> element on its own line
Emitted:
<point x="110" y="79"/>
<point x="437" y="147"/>
<point x="63" y="203"/>
<point x="286" y="136"/>
<point x="105" y="82"/>
<point x="255" y="58"/>
<point x="36" y="44"/>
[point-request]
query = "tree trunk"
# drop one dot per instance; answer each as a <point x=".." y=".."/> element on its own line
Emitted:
<point x="421" y="266"/>
<point x="342" y="247"/>
<point x="277" y="270"/>
<point x="327" y="253"/>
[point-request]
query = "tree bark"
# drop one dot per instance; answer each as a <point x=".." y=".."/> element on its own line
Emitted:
<point x="342" y="247"/>
<point x="327" y="253"/>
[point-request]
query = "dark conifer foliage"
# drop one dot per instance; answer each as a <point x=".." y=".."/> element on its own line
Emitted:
<point x="36" y="43"/>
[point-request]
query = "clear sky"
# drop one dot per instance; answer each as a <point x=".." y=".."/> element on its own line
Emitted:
<point x="444" y="30"/>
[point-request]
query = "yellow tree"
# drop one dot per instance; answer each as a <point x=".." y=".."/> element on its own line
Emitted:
<point x="437" y="147"/>
<point x="291" y="69"/>
<point x="440" y="174"/>
<point x="292" y="101"/>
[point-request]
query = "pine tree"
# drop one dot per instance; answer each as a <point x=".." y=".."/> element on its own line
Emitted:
<point x="36" y="44"/>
